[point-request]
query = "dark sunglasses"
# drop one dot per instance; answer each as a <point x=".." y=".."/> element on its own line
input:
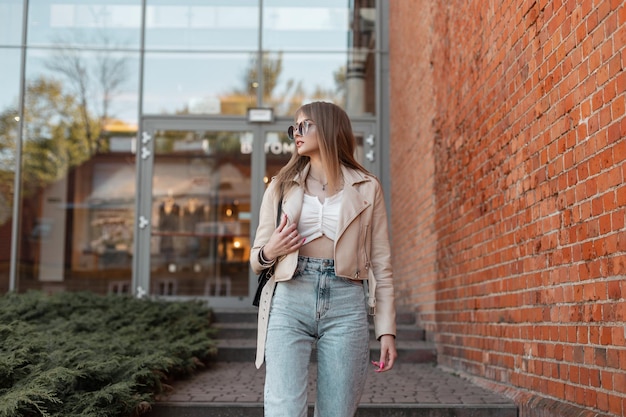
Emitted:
<point x="302" y="129"/>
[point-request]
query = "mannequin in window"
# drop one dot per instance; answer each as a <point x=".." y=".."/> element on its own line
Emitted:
<point x="169" y="221"/>
<point x="193" y="214"/>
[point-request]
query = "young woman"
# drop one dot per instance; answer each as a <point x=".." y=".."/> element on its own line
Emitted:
<point x="332" y="264"/>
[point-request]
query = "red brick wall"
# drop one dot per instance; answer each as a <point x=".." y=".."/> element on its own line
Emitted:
<point x="508" y="198"/>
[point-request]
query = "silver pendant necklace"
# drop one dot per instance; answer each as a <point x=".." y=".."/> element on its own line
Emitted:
<point x="319" y="182"/>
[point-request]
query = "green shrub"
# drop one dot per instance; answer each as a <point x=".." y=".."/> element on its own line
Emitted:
<point x="80" y="354"/>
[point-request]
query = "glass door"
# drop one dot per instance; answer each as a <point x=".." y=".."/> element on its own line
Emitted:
<point x="194" y="209"/>
<point x="200" y="213"/>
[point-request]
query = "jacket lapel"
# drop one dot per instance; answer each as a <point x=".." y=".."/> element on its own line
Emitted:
<point x="353" y="202"/>
<point x="293" y="200"/>
<point x="292" y="204"/>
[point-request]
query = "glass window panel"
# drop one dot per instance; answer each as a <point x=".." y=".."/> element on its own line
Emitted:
<point x="9" y="85"/>
<point x="107" y="81"/>
<point x="78" y="190"/>
<point x="11" y="22"/>
<point x="298" y="25"/>
<point x="10" y="79"/>
<point x="89" y="23"/>
<point x="305" y="27"/>
<point x="200" y="234"/>
<point x="278" y="150"/>
<point x="210" y="25"/>
<point x="305" y="77"/>
<point x="196" y="83"/>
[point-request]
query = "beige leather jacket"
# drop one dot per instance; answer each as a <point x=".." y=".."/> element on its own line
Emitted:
<point x="361" y="248"/>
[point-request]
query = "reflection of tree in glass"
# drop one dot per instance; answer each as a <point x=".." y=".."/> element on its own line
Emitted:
<point x="94" y="85"/>
<point x="8" y="138"/>
<point x="55" y="140"/>
<point x="55" y="135"/>
<point x="225" y="143"/>
<point x="294" y="93"/>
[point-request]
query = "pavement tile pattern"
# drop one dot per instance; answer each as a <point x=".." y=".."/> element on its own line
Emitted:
<point x="407" y="383"/>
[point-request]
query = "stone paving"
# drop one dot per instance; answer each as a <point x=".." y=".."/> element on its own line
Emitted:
<point x="407" y="383"/>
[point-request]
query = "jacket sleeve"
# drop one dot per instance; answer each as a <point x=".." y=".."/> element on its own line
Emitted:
<point x="385" y="317"/>
<point x="267" y="225"/>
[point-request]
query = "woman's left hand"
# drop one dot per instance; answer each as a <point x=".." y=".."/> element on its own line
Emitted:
<point x="388" y="353"/>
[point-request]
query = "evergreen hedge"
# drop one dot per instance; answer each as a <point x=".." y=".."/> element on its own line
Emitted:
<point x="81" y="354"/>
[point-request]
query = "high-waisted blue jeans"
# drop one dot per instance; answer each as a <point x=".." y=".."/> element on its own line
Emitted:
<point x="316" y="307"/>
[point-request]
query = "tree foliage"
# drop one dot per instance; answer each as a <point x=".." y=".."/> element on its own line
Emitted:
<point x="294" y="93"/>
<point x="80" y="354"/>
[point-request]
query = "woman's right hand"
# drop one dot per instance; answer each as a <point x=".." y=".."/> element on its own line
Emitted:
<point x="284" y="240"/>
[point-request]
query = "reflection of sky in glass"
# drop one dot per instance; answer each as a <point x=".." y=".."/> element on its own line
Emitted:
<point x="209" y="27"/>
<point x="123" y="103"/>
<point x="94" y="16"/>
<point x="85" y="23"/>
<point x="314" y="72"/>
<point x="175" y="81"/>
<point x="11" y="22"/>
<point x="206" y="27"/>
<point x="10" y="79"/>
<point x="305" y="28"/>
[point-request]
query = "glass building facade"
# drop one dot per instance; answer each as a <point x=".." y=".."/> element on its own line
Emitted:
<point x="136" y="137"/>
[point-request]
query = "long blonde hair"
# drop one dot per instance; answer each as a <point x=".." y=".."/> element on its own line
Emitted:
<point x="336" y="141"/>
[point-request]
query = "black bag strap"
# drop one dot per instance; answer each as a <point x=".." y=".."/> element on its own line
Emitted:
<point x="280" y="209"/>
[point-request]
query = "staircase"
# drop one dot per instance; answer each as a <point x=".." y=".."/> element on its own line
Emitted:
<point x="233" y="387"/>
<point x="237" y="339"/>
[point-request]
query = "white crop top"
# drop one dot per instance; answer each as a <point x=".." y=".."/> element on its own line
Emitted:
<point x="319" y="219"/>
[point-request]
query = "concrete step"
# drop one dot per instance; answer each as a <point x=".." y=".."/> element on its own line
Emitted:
<point x="244" y="350"/>
<point x="237" y="338"/>
<point x="235" y="316"/>
<point x="250" y="316"/>
<point x="240" y="330"/>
